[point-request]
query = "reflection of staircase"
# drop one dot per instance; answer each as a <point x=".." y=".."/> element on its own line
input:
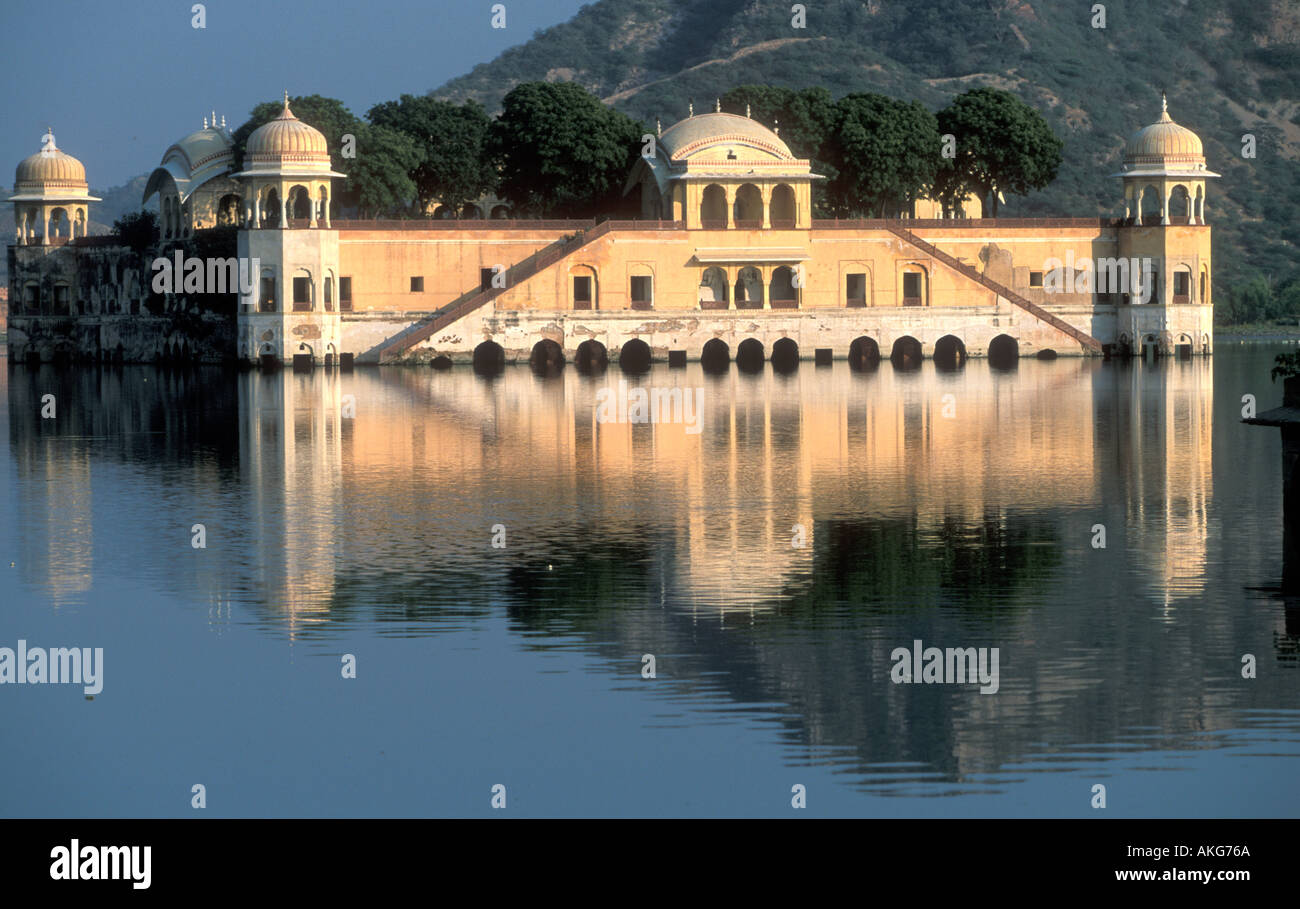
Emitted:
<point x="1088" y="341"/>
<point x="471" y="300"/>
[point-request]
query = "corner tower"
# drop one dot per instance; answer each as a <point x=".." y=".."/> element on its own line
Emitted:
<point x="292" y="312"/>
<point x="1165" y="232"/>
<point x="51" y="197"/>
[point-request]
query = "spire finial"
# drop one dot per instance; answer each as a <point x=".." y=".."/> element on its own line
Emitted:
<point x="717" y="105"/>
<point x="47" y="142"/>
<point x="286" y="99"/>
<point x="776" y="127"/>
<point x="205" y="122"/>
<point x="659" y="128"/>
<point x="747" y="109"/>
<point x="1164" y="104"/>
<point x="690" y="108"/>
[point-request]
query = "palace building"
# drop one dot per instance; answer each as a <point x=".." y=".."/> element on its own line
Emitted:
<point x="726" y="260"/>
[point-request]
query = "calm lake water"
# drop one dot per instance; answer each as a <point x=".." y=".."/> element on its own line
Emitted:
<point x="355" y="513"/>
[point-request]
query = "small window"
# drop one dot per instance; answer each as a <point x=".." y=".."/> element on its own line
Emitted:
<point x="268" y="295"/>
<point x="485" y="278"/>
<point x="911" y="289"/>
<point x="302" y="293"/>
<point x="329" y="293"/>
<point x="1182" y="283"/>
<point x="855" y="289"/>
<point x="582" y="292"/>
<point x="1035" y="279"/>
<point x="642" y="287"/>
<point x="417" y="285"/>
<point x="345" y="294"/>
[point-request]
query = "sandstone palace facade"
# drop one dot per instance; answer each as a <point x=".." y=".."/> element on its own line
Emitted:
<point x="726" y="260"/>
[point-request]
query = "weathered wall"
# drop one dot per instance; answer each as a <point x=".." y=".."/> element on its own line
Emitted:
<point x="93" y="301"/>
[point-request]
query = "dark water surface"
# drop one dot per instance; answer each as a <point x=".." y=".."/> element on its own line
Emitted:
<point x="963" y="522"/>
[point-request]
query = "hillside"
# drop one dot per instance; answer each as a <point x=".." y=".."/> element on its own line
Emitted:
<point x="1229" y="67"/>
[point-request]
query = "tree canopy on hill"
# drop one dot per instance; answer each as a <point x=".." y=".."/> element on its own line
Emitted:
<point x="886" y="153"/>
<point x="455" y="166"/>
<point x="561" y="152"/>
<point x="1003" y="146"/>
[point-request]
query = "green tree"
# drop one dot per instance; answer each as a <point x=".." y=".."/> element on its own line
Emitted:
<point x="885" y="152"/>
<point x="380" y="176"/>
<point x="805" y="119"/>
<point x="1003" y="146"/>
<point x="137" y="229"/>
<point x="455" y="167"/>
<point x="561" y="152"/>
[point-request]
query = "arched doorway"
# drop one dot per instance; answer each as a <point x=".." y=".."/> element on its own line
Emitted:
<point x="749" y="355"/>
<point x="781" y="293"/>
<point x="906" y="353"/>
<point x="713" y="207"/>
<point x="1004" y="352"/>
<point x="299" y="203"/>
<point x="591" y="357"/>
<point x="949" y="352"/>
<point x="228" y="210"/>
<point x="1180" y="205"/>
<point x="749" y="207"/>
<point x="1149" y="206"/>
<point x="783" y="207"/>
<point x="713" y="288"/>
<point x="716" y="355"/>
<point x="634" y="357"/>
<point x="864" y="354"/>
<point x="749" y="288"/>
<point x="489" y="358"/>
<point x="547" y="357"/>
<point x="500" y="213"/>
<point x="785" y="355"/>
<point x="471" y="212"/>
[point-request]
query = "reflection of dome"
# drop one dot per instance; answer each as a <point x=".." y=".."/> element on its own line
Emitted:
<point x="49" y="167"/>
<point x="1164" y="142"/>
<point x="688" y="136"/>
<point x="286" y="139"/>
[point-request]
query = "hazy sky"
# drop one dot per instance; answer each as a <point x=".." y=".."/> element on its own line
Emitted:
<point x="120" y="80"/>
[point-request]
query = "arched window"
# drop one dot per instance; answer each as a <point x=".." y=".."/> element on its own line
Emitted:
<point x="783" y="207"/>
<point x="781" y="291"/>
<point x="749" y="207"/>
<point x="713" y="207"/>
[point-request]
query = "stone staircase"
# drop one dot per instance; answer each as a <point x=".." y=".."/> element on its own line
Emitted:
<point x="1088" y="342"/>
<point x="471" y="300"/>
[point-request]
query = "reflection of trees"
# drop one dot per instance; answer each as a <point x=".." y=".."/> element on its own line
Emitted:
<point x="884" y="561"/>
<point x="566" y="589"/>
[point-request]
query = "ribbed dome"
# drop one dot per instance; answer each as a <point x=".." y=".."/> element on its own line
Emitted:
<point x="206" y="147"/>
<point x="50" y="167"/>
<point x="286" y="139"/>
<point x="687" y="136"/>
<point x="1164" y="142"/>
